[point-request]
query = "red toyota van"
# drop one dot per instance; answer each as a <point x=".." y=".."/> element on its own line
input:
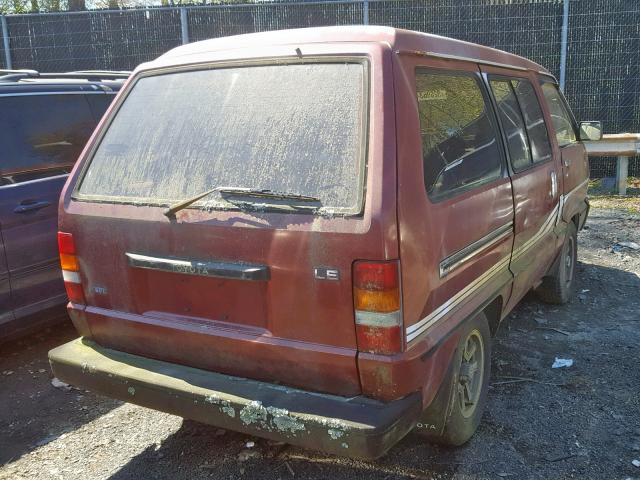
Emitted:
<point x="311" y="235"/>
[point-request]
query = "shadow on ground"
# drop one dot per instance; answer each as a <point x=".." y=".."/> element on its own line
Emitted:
<point x="32" y="411"/>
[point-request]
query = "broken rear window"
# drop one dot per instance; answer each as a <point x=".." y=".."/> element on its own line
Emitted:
<point x="296" y="128"/>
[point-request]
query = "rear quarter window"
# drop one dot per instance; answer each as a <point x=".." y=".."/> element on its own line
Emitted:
<point x="459" y="145"/>
<point x="295" y="128"/>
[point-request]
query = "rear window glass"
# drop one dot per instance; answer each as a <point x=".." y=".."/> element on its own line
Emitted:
<point x="294" y="128"/>
<point x="42" y="133"/>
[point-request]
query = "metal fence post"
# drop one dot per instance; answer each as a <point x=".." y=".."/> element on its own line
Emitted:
<point x="5" y="42"/>
<point x="184" y="25"/>
<point x="365" y="12"/>
<point x="563" y="44"/>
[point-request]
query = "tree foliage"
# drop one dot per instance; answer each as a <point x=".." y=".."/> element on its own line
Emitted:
<point x="8" y="7"/>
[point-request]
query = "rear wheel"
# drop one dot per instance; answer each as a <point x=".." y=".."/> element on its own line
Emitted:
<point x="455" y="413"/>
<point x="558" y="286"/>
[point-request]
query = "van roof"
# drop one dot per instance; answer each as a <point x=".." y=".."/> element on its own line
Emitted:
<point x="398" y="39"/>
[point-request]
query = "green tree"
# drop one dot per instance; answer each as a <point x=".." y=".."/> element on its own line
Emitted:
<point x="76" y="5"/>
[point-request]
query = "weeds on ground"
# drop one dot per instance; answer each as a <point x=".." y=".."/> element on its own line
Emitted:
<point x="599" y="197"/>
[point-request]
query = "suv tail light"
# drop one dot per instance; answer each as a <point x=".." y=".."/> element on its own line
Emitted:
<point x="70" y="267"/>
<point x="378" y="310"/>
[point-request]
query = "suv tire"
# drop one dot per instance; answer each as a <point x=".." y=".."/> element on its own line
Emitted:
<point x="454" y="415"/>
<point x="558" y="286"/>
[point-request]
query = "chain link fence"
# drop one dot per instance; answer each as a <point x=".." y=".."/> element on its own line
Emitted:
<point x="602" y="48"/>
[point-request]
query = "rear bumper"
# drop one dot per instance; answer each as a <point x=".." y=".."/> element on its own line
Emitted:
<point x="353" y="427"/>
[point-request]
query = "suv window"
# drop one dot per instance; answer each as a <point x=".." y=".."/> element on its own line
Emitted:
<point x="512" y="124"/>
<point x="99" y="104"/>
<point x="560" y="117"/>
<point x="534" y="120"/>
<point x="295" y="128"/>
<point x="42" y="135"/>
<point x="459" y="146"/>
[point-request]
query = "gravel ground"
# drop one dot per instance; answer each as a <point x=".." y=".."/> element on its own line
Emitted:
<point x="579" y="422"/>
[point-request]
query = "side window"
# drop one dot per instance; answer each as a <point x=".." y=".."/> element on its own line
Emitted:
<point x="560" y="116"/>
<point x="512" y="124"/>
<point x="459" y="147"/>
<point x="532" y="113"/>
<point x="99" y="104"/>
<point x="42" y="135"/>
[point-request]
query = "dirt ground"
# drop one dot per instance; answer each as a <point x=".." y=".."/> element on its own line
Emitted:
<point x="579" y="422"/>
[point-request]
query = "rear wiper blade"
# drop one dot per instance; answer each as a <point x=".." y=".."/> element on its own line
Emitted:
<point x="237" y="191"/>
<point x="176" y="207"/>
<point x="265" y="193"/>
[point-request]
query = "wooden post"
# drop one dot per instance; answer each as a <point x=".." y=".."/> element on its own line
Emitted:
<point x="622" y="170"/>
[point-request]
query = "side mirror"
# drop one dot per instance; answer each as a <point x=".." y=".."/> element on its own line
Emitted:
<point x="590" y="131"/>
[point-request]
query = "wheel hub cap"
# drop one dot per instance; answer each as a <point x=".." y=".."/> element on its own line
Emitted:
<point x="471" y="374"/>
<point x="568" y="261"/>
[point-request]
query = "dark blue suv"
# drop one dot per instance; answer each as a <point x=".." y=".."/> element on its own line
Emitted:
<point x="45" y="121"/>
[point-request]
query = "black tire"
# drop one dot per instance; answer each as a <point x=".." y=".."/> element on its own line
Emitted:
<point x="557" y="287"/>
<point x="455" y="413"/>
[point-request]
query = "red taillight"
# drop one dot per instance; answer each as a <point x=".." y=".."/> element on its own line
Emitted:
<point x="74" y="292"/>
<point x="66" y="244"/>
<point x="70" y="267"/>
<point x="377" y="276"/>
<point x="378" y="312"/>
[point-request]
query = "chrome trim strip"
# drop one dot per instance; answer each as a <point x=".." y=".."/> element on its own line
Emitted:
<point x="565" y="197"/>
<point x="544" y="229"/>
<point x="43" y="179"/>
<point x="231" y="270"/>
<point x="421" y="326"/>
<point x="456" y="259"/>
<point x="547" y="74"/>
<point x="418" y="328"/>
<point x="75" y="92"/>
<point x="561" y="202"/>
<point x="575" y="189"/>
<point x="475" y="60"/>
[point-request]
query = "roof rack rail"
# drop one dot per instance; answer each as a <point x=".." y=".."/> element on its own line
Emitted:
<point x="14" y="75"/>
<point x="95" y="75"/>
<point x="88" y="75"/>
<point x="24" y="70"/>
<point x="103" y="73"/>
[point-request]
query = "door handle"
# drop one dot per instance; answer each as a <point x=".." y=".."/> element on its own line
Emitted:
<point x="554" y="185"/>
<point x="30" y="206"/>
